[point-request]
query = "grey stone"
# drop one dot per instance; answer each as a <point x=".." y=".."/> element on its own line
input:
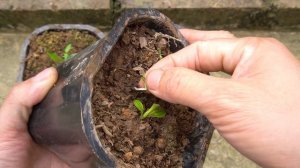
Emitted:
<point x="53" y="4"/>
<point x="26" y="15"/>
<point x="220" y="14"/>
<point x="10" y="45"/>
<point x="191" y="4"/>
<point x="286" y="3"/>
<point x="223" y="155"/>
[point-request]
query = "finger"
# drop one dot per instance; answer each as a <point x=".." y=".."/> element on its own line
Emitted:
<point x="240" y="57"/>
<point x="16" y="109"/>
<point x="187" y="87"/>
<point x="206" y="56"/>
<point x="174" y="77"/>
<point x="198" y="35"/>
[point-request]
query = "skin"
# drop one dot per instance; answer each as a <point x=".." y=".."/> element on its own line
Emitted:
<point x="17" y="149"/>
<point x="256" y="110"/>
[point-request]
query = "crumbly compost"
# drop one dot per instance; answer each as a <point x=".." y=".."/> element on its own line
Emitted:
<point x="53" y="41"/>
<point x="151" y="142"/>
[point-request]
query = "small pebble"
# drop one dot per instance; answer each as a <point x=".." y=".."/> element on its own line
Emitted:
<point x="126" y="113"/>
<point x="126" y="38"/>
<point x="158" y="158"/>
<point x="128" y="156"/>
<point x="144" y="126"/>
<point x="143" y="42"/>
<point x="138" y="150"/>
<point x="185" y="142"/>
<point x="160" y="143"/>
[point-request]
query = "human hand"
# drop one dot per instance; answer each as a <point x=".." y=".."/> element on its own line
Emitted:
<point x="257" y="110"/>
<point x="17" y="149"/>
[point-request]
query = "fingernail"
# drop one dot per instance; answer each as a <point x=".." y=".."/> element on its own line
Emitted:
<point x="45" y="74"/>
<point x="153" y="79"/>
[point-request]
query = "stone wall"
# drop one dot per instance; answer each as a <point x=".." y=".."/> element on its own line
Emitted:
<point x="26" y="15"/>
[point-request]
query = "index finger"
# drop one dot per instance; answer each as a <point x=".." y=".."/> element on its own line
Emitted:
<point x="212" y="55"/>
<point x="193" y="35"/>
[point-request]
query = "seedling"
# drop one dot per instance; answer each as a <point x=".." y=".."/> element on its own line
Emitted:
<point x="59" y="59"/>
<point x="154" y="111"/>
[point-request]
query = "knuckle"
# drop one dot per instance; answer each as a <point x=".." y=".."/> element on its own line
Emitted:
<point x="248" y="46"/>
<point x="252" y="41"/>
<point x="20" y="89"/>
<point x="271" y="40"/>
<point x="268" y="45"/>
<point x="274" y="43"/>
<point x="258" y="41"/>
<point x="16" y="89"/>
<point x="13" y="94"/>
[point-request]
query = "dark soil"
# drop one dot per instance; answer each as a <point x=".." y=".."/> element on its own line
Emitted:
<point x="151" y="142"/>
<point x="53" y="41"/>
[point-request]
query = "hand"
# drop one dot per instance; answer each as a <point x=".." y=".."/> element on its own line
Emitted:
<point x="17" y="149"/>
<point x="257" y="110"/>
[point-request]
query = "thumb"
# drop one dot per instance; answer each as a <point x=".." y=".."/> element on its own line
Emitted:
<point x="16" y="109"/>
<point x="188" y="87"/>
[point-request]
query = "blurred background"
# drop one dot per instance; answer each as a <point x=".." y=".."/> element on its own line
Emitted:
<point x="266" y="18"/>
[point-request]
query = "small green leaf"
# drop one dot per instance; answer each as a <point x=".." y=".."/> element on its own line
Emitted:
<point x="155" y="111"/>
<point x="66" y="56"/>
<point x="54" y="57"/>
<point x="139" y="105"/>
<point x="68" y="48"/>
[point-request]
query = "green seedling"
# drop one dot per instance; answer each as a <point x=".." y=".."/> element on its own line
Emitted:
<point x="59" y="59"/>
<point x="67" y="50"/>
<point x="154" y="111"/>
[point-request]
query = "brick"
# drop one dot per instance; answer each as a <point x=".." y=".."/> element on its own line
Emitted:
<point x="225" y="14"/>
<point x="286" y="3"/>
<point x="10" y="45"/>
<point x="53" y="4"/>
<point x="30" y="14"/>
<point x="191" y="4"/>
